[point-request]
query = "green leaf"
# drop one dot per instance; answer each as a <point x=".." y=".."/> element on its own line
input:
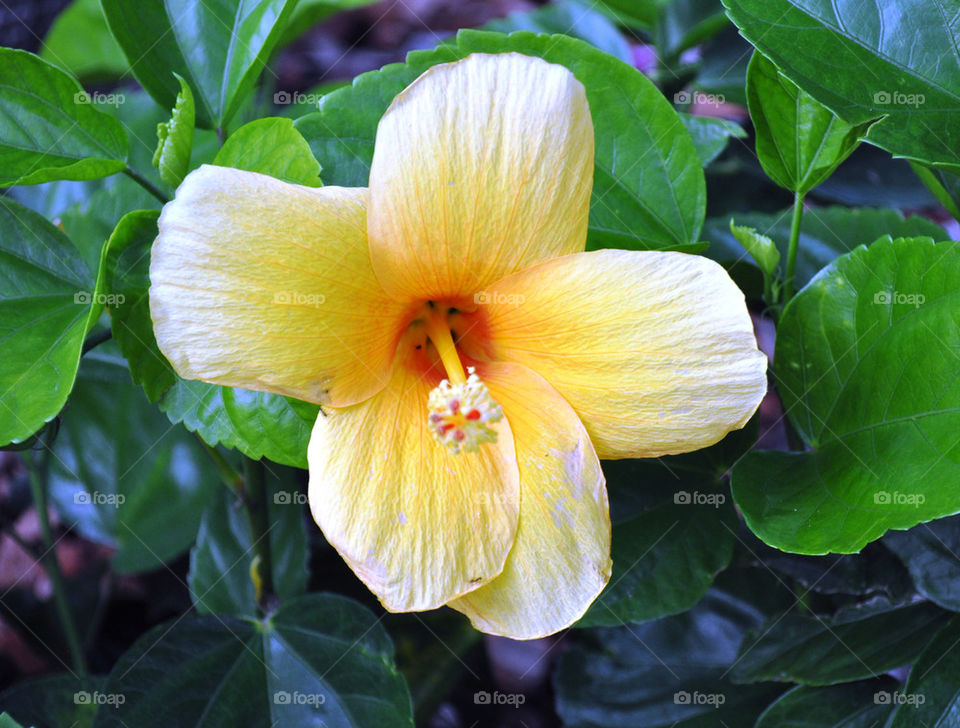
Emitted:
<point x="175" y="138"/>
<point x="710" y="135"/>
<point x="640" y="14"/>
<point x="49" y="129"/>
<point x="855" y="644"/>
<point x="825" y="233"/>
<point x="839" y="706"/>
<point x="220" y="561"/>
<point x="761" y="248"/>
<point x="844" y="55"/>
<point x="320" y="660"/>
<point x="7" y="722"/>
<point x="665" y="559"/>
<point x="49" y="300"/>
<point x="723" y="67"/>
<point x="144" y="492"/>
<point x="53" y="701"/>
<point x="648" y="182"/>
<point x="568" y="17"/>
<point x="671" y="673"/>
<point x="683" y="24"/>
<point x="930" y="698"/>
<point x="79" y="41"/>
<point x="271" y="146"/>
<point x="256" y="423"/>
<point x="220" y="48"/>
<point x="868" y="354"/>
<point x="799" y="141"/>
<point x="929" y="551"/>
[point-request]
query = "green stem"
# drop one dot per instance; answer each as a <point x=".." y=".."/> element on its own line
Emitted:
<point x="94" y="340"/>
<point x="258" y="514"/>
<point x="792" y="249"/>
<point x="146" y="184"/>
<point x="228" y="474"/>
<point x="38" y="487"/>
<point x="939" y="191"/>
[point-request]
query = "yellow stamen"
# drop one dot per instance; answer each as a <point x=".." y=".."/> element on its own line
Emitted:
<point x="438" y="330"/>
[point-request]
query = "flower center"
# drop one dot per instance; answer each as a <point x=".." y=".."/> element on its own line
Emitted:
<point x="460" y="408"/>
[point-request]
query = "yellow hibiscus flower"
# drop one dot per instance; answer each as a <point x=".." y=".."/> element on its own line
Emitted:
<point x="472" y="361"/>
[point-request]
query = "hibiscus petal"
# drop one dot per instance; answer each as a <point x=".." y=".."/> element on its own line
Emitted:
<point x="560" y="560"/>
<point x="264" y="285"/>
<point x="654" y="350"/>
<point x="418" y="524"/>
<point x="481" y="168"/>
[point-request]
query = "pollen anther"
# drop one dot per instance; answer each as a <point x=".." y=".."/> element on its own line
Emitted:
<point x="459" y="414"/>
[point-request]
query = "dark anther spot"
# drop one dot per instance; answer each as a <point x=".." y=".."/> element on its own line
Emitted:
<point x="453" y="310"/>
<point x="419" y="346"/>
<point x="431" y="304"/>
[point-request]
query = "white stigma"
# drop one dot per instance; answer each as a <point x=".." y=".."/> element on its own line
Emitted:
<point x="459" y="414"/>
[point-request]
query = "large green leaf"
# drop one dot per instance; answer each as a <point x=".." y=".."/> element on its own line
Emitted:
<point x="256" y="423"/>
<point x="825" y="233"/>
<point x="931" y="697"/>
<point x="855" y="644"/>
<point x="321" y="661"/>
<point x="49" y="299"/>
<point x="869" y="60"/>
<point x="49" y="129"/>
<point x="671" y="673"/>
<point x="146" y="488"/>
<point x="929" y="552"/>
<point x="799" y="141"/>
<point x="219" y="46"/>
<point x="648" y="188"/>
<point x="220" y="561"/>
<point x="840" y="706"/>
<point x="79" y="41"/>
<point x="665" y="559"/>
<point x="868" y="356"/>
<point x="271" y="146"/>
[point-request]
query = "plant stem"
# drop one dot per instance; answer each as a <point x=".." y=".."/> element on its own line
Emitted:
<point x="792" y="249"/>
<point x="258" y="515"/>
<point x="228" y="474"/>
<point x="94" y="340"/>
<point x="146" y="184"/>
<point x="38" y="487"/>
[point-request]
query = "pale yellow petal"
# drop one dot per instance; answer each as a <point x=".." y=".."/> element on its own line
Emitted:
<point x="655" y="351"/>
<point x="560" y="560"/>
<point x="264" y="285"/>
<point x="418" y="524"/>
<point x="481" y="168"/>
